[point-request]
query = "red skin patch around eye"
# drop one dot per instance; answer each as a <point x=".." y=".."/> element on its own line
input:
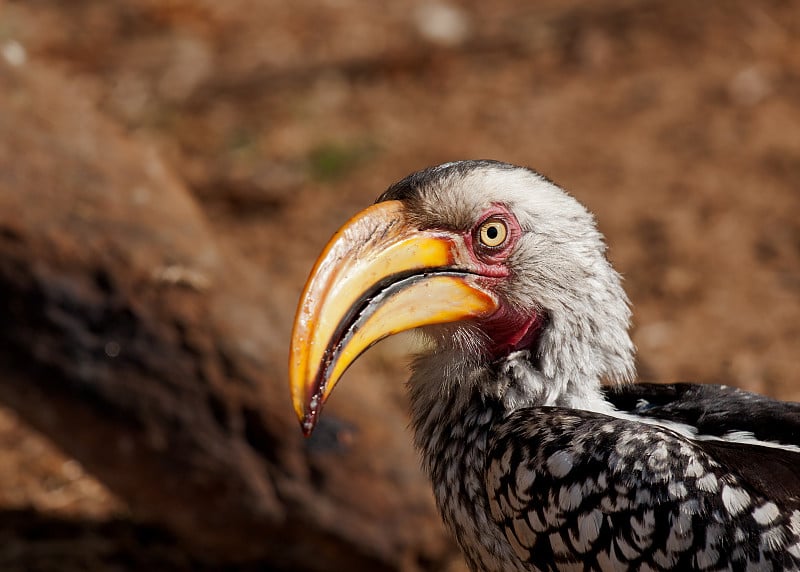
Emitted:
<point x="508" y="329"/>
<point x="490" y="261"/>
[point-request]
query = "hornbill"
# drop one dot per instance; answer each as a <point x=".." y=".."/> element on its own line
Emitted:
<point x="542" y="456"/>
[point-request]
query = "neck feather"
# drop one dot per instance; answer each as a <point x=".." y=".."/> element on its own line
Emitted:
<point x="456" y="400"/>
<point x="452" y="431"/>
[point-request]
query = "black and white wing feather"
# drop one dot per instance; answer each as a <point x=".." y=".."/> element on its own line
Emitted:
<point x="581" y="490"/>
<point x="716" y="410"/>
<point x="728" y="424"/>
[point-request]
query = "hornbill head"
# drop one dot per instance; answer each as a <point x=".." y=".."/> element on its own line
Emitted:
<point x="489" y="260"/>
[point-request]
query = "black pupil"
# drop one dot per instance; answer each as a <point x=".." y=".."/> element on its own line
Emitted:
<point x="492" y="232"/>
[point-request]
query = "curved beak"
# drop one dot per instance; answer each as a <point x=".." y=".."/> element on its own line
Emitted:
<point x="378" y="275"/>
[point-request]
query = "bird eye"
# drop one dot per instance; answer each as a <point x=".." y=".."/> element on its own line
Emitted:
<point x="493" y="233"/>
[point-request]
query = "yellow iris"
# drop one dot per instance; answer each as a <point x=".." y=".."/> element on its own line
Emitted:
<point x="493" y="233"/>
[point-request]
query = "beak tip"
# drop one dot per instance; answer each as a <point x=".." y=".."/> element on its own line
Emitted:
<point x="306" y="405"/>
<point x="308" y="423"/>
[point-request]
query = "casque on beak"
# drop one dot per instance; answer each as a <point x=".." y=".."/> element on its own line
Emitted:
<point x="378" y="275"/>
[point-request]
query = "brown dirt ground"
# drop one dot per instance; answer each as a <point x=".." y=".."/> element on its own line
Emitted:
<point x="677" y="123"/>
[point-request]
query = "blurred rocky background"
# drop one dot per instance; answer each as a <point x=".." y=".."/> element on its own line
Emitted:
<point x="169" y="169"/>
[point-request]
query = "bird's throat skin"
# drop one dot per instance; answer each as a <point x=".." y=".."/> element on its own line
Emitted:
<point x="510" y="332"/>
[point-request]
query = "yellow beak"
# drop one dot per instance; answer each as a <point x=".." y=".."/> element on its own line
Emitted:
<point x="378" y="275"/>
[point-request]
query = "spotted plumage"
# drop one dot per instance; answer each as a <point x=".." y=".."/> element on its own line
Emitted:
<point x="556" y="488"/>
<point x="535" y="463"/>
<point x="606" y="494"/>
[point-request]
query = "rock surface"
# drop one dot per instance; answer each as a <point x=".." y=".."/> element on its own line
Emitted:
<point x="148" y="351"/>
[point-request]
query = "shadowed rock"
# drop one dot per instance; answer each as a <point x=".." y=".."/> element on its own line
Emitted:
<point x="152" y="354"/>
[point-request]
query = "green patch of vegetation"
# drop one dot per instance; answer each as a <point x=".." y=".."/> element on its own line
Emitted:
<point x="334" y="160"/>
